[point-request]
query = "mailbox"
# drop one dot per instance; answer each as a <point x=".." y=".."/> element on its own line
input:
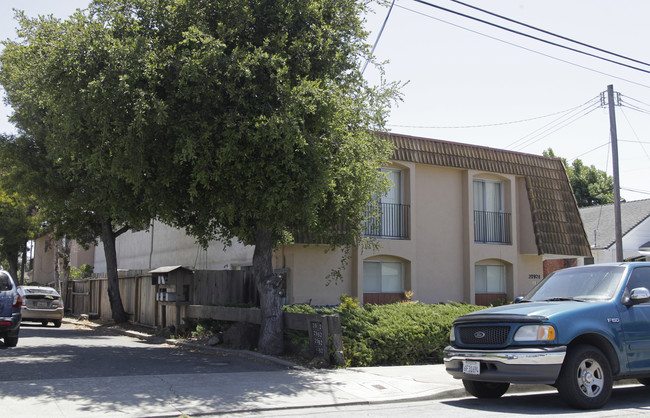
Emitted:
<point x="173" y="289"/>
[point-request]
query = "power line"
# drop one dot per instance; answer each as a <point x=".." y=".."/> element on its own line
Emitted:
<point x="638" y="101"/>
<point x="590" y="151"/>
<point x="543" y="135"/>
<point x="531" y="137"/>
<point x="488" y="125"/>
<point x="523" y="47"/>
<point x="378" y="36"/>
<point x="550" y="33"/>
<point x="635" y="190"/>
<point x="529" y="36"/>
<point x="638" y="109"/>
<point x="637" y="136"/>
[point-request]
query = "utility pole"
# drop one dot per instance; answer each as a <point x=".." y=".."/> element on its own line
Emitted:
<point x="617" y="190"/>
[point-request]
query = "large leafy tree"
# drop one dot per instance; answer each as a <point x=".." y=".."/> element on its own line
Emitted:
<point x="272" y="126"/>
<point x="242" y="119"/>
<point x="18" y="224"/>
<point x="75" y="111"/>
<point x="263" y="125"/>
<point x="590" y="185"/>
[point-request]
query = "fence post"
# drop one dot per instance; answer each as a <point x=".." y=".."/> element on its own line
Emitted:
<point x="334" y="325"/>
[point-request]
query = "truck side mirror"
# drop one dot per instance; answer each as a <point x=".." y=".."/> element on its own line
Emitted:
<point x="639" y="295"/>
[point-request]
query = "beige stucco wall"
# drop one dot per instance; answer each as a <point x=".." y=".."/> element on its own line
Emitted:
<point x="163" y="245"/>
<point x="80" y="256"/>
<point x="308" y="268"/>
<point x="43" y="260"/>
<point x="44" y="255"/>
<point x="440" y="256"/>
<point x="525" y="230"/>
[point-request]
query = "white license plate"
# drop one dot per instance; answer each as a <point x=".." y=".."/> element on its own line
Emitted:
<point x="41" y="305"/>
<point x="471" y="367"/>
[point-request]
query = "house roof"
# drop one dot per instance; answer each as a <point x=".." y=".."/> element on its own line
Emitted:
<point x="599" y="221"/>
<point x="556" y="219"/>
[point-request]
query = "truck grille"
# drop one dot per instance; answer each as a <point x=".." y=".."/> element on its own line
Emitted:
<point x="484" y="335"/>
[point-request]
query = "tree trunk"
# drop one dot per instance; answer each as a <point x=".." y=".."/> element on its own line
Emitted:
<point x="13" y="266"/>
<point x="268" y="284"/>
<point x="22" y="265"/>
<point x="108" y="239"/>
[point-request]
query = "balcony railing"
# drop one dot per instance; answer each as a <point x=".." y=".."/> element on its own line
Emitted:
<point x="394" y="222"/>
<point x="492" y="227"/>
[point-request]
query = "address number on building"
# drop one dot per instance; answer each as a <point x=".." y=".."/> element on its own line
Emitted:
<point x="471" y="367"/>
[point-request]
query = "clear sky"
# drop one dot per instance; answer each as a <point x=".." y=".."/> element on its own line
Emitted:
<point x="468" y="82"/>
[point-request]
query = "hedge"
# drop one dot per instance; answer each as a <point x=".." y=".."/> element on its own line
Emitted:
<point x="401" y="333"/>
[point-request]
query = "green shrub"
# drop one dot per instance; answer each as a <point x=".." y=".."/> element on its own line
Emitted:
<point x="401" y="333"/>
<point x="206" y="327"/>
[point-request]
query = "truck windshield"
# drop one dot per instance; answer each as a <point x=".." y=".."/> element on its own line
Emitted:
<point x="586" y="284"/>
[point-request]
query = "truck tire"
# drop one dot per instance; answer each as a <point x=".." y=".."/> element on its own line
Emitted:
<point x="485" y="390"/>
<point x="585" y="381"/>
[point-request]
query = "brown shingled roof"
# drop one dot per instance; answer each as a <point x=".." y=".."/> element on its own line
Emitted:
<point x="556" y="219"/>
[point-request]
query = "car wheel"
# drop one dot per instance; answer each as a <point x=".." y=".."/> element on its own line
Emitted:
<point x="585" y="380"/>
<point x="57" y="323"/>
<point x="11" y="341"/>
<point x="489" y="390"/>
<point x="44" y="323"/>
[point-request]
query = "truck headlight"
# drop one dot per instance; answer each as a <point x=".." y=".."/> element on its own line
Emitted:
<point x="452" y="335"/>
<point x="535" y="333"/>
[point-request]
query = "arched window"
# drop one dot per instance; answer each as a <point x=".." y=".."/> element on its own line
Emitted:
<point x="489" y="283"/>
<point x="383" y="281"/>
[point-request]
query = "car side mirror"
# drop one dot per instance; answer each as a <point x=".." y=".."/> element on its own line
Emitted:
<point x="639" y="295"/>
<point x="519" y="299"/>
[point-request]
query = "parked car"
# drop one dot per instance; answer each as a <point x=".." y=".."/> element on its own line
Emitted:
<point x="10" y="303"/>
<point x="579" y="330"/>
<point x="41" y="304"/>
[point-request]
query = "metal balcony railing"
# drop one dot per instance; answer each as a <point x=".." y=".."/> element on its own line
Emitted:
<point x="393" y="222"/>
<point x="492" y="227"/>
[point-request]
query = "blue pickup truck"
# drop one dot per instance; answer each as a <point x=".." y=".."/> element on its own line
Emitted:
<point x="579" y="330"/>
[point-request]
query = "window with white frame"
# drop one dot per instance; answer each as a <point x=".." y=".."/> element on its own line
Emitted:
<point x="491" y="223"/>
<point x="488" y="195"/>
<point x="490" y="278"/>
<point x="383" y="277"/>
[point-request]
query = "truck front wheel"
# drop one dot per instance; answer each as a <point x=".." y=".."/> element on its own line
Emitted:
<point x="489" y="390"/>
<point x="585" y="381"/>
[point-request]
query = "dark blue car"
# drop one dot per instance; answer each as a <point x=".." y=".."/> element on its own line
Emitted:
<point x="10" y="305"/>
<point x="579" y="330"/>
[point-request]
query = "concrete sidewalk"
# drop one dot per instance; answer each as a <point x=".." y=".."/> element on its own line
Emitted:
<point x="289" y="387"/>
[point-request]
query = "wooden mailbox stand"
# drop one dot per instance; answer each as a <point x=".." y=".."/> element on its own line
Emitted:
<point x="173" y="288"/>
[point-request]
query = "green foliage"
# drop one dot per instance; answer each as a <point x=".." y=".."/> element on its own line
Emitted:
<point x="18" y="224"/>
<point x="83" y="272"/>
<point x="206" y="327"/>
<point x="590" y="185"/>
<point x="397" y="334"/>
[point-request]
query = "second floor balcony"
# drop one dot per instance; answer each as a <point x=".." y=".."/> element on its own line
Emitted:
<point x="492" y="227"/>
<point x="393" y="222"/>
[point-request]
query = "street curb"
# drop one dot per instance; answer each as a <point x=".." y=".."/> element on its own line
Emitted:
<point x="246" y="354"/>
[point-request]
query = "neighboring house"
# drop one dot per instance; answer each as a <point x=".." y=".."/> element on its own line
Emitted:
<point x="45" y="249"/>
<point x="635" y="230"/>
<point x="461" y="223"/>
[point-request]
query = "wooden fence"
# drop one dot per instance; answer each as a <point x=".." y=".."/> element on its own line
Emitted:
<point x="208" y="289"/>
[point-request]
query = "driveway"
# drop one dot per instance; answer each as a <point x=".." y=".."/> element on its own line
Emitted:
<point x="70" y="371"/>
